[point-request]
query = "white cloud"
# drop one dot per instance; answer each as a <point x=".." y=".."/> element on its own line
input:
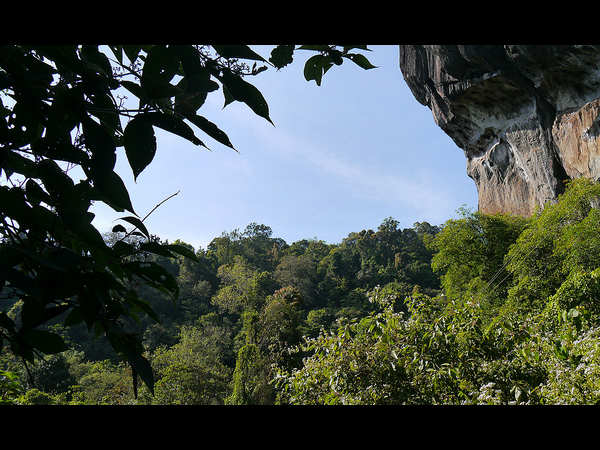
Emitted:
<point x="422" y="193"/>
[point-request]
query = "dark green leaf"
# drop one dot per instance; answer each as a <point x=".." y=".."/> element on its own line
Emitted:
<point x="4" y="83"/>
<point x="119" y="229"/>
<point x="55" y="180"/>
<point x="238" y="51"/>
<point x="145" y="306"/>
<point x="182" y="250"/>
<point x="45" y="341"/>
<point x="360" y="47"/>
<point x="61" y="149"/>
<point x="90" y="236"/>
<point x="162" y="93"/>
<point x="241" y="90"/>
<point x="142" y="367"/>
<point x="35" y="194"/>
<point x="200" y="83"/>
<point x="316" y="48"/>
<point x="361" y="61"/>
<point x="42" y="260"/>
<point x="211" y="129"/>
<point x="64" y="56"/>
<point x="13" y="204"/>
<point x="97" y="60"/>
<point x="53" y="311"/>
<point x="14" y="162"/>
<point x="98" y="329"/>
<point x="28" y="114"/>
<point x="32" y="312"/>
<point x="118" y="52"/>
<point x="129" y="346"/>
<point x="259" y="70"/>
<point x="132" y="51"/>
<point x="157" y="249"/>
<point x="173" y="125"/>
<point x="188" y="102"/>
<point x="282" y="55"/>
<point x="140" y="144"/>
<point x="137" y="223"/>
<point x="123" y="248"/>
<point x="21" y="347"/>
<point x="155" y="274"/>
<point x="194" y="86"/>
<point x="6" y="322"/>
<point x="66" y="259"/>
<point x="136" y="90"/>
<point x="105" y="109"/>
<point x="161" y="65"/>
<point x="191" y="60"/>
<point x="89" y="307"/>
<point x="228" y="97"/>
<point x="315" y="67"/>
<point x="113" y="192"/>
<point x="100" y="141"/>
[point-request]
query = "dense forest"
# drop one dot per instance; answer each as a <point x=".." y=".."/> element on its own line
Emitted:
<point x="480" y="310"/>
<point x="247" y="299"/>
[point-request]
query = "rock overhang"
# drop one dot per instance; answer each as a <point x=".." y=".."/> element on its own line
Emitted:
<point x="527" y="117"/>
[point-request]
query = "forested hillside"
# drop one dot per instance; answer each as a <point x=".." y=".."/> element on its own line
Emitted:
<point x="482" y="310"/>
<point x="247" y="299"/>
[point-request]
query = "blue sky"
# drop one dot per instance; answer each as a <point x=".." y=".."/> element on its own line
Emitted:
<point x="342" y="157"/>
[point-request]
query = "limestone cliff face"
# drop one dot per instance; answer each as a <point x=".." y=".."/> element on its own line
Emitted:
<point x="526" y="116"/>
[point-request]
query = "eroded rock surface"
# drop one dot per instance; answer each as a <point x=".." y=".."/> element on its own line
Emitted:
<point x="526" y="116"/>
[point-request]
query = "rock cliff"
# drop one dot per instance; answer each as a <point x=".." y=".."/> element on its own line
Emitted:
<point x="526" y="116"/>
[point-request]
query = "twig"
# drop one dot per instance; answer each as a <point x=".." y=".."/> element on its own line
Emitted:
<point x="153" y="209"/>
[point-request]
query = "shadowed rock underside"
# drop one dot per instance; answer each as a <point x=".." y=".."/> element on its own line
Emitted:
<point x="526" y="116"/>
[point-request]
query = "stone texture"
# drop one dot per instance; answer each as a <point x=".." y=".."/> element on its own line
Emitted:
<point x="526" y="116"/>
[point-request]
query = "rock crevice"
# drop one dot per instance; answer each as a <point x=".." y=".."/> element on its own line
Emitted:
<point x="526" y="116"/>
